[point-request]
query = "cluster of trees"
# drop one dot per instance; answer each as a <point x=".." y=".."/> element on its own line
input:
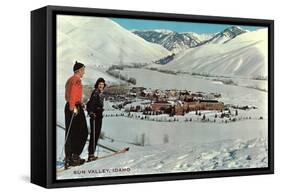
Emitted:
<point x="166" y="60"/>
<point x="164" y="71"/>
<point x="118" y="75"/>
<point x="260" y="77"/>
<point x="132" y="65"/>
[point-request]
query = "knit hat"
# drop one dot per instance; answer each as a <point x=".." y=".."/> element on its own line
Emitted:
<point x="77" y="66"/>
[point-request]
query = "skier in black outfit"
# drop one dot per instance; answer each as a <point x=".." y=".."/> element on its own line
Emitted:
<point x="95" y="110"/>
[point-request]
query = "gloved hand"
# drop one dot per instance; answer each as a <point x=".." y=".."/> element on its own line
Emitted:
<point x="74" y="110"/>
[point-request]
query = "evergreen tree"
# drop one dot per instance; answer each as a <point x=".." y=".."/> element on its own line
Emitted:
<point x="204" y="117"/>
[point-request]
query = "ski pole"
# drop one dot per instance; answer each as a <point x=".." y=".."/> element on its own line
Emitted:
<point x="94" y="131"/>
<point x="98" y="149"/>
<point x="95" y="140"/>
<point x="68" y="132"/>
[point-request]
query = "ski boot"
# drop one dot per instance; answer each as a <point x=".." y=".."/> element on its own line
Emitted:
<point x="76" y="160"/>
<point x="92" y="157"/>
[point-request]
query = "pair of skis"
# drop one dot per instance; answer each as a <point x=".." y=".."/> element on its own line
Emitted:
<point x="61" y="168"/>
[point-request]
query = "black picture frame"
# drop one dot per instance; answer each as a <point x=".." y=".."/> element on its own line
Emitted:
<point x="43" y="96"/>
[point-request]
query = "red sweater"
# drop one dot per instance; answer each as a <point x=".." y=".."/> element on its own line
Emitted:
<point x="73" y="91"/>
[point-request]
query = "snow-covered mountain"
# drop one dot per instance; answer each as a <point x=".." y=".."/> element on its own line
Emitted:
<point x="225" y="36"/>
<point x="100" y="43"/>
<point x="201" y="37"/>
<point x="244" y="55"/>
<point x="173" y="41"/>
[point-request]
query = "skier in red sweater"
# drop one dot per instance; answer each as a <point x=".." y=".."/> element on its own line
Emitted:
<point x="75" y="121"/>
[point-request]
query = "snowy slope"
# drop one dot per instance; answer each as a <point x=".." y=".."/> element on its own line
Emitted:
<point x="244" y="56"/>
<point x="100" y="43"/>
<point x="227" y="154"/>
